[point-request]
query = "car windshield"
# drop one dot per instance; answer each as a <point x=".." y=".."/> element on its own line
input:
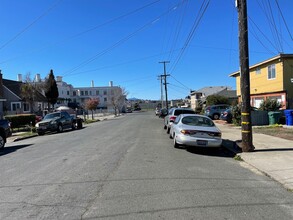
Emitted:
<point x="53" y="115"/>
<point x="197" y="121"/>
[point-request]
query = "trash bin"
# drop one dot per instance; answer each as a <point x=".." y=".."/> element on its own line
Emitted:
<point x="289" y="117"/>
<point x="274" y="117"/>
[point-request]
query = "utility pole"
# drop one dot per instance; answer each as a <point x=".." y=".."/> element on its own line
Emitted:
<point x="165" y="79"/>
<point x="162" y="95"/>
<point x="246" y="130"/>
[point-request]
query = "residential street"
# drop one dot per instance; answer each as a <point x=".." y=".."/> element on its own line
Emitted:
<point x="127" y="168"/>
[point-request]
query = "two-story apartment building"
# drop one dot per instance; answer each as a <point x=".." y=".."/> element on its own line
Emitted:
<point x="272" y="78"/>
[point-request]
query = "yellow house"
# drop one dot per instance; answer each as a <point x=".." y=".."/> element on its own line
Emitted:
<point x="272" y="78"/>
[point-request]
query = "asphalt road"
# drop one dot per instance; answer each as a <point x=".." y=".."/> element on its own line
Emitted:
<point x="127" y="168"/>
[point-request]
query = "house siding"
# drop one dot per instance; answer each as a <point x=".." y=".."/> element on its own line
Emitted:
<point x="261" y="87"/>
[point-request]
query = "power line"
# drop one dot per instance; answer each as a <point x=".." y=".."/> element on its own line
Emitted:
<point x="30" y="25"/>
<point x="119" y="42"/>
<point x="284" y="19"/>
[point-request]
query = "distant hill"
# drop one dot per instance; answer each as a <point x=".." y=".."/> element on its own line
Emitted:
<point x="133" y="99"/>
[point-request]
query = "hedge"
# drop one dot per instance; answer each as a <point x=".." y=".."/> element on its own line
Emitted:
<point x="18" y="121"/>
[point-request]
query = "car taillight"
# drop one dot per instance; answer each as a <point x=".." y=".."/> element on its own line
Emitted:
<point x="188" y="132"/>
<point x="172" y="118"/>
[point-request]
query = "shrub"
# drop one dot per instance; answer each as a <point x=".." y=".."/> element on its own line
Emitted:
<point x="21" y="120"/>
<point x="270" y="105"/>
<point x="236" y="114"/>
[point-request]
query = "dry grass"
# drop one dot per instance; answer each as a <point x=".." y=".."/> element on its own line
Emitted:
<point x="286" y="133"/>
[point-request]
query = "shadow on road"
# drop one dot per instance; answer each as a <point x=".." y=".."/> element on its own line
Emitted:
<point x="8" y="150"/>
<point x="212" y="152"/>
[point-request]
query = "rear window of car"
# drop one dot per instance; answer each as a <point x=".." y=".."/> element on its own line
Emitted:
<point x="197" y="121"/>
<point x="183" y="111"/>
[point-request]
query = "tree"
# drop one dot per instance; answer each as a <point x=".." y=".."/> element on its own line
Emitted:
<point x="117" y="98"/>
<point x="28" y="91"/>
<point x="92" y="104"/>
<point x="216" y="100"/>
<point x="51" y="89"/>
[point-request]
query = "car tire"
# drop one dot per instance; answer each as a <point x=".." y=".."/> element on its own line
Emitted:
<point x="2" y="142"/>
<point x="40" y="133"/>
<point x="170" y="135"/>
<point x="168" y="130"/>
<point x="216" y="116"/>
<point x="175" y="144"/>
<point x="59" y="128"/>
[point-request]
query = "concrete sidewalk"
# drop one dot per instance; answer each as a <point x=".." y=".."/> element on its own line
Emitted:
<point x="272" y="156"/>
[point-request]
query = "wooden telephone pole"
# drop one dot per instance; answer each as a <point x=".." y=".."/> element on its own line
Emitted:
<point x="246" y="130"/>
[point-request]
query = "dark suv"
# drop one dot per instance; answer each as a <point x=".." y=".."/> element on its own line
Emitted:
<point x="214" y="111"/>
<point x="172" y="114"/>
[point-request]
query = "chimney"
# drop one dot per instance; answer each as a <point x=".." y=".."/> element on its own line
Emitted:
<point x="59" y="78"/>
<point x="92" y="83"/>
<point x="111" y="83"/>
<point x="19" y="77"/>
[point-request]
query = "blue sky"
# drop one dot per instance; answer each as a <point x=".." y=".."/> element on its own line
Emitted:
<point x="124" y="40"/>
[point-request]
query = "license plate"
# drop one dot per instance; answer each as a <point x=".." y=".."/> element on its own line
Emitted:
<point x="43" y="127"/>
<point x="202" y="143"/>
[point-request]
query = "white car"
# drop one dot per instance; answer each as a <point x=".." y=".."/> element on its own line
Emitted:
<point x="195" y="130"/>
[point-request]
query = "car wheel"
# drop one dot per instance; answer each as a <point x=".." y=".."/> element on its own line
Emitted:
<point x="74" y="126"/>
<point x="168" y="130"/>
<point x="216" y="116"/>
<point x="40" y="133"/>
<point x="170" y="135"/>
<point x="175" y="144"/>
<point x="2" y="142"/>
<point x="59" y="128"/>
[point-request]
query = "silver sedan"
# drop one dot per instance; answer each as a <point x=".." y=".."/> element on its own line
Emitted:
<point x="195" y="130"/>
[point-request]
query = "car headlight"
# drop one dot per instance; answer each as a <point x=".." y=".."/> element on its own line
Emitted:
<point x="37" y="125"/>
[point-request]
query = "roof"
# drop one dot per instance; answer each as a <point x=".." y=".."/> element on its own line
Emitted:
<point x="210" y="90"/>
<point x="228" y="93"/>
<point x="280" y="56"/>
<point x="15" y="87"/>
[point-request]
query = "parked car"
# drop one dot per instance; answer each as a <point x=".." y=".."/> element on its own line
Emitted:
<point x="163" y="113"/>
<point x="57" y="121"/>
<point x="128" y="110"/>
<point x="214" y="111"/>
<point x="5" y="132"/>
<point x="195" y="130"/>
<point x="172" y="114"/>
<point x="157" y="111"/>
<point x="226" y="115"/>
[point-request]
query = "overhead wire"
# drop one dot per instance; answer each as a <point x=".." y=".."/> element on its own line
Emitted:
<point x="196" y="23"/>
<point x="121" y="41"/>
<point x="30" y="25"/>
<point x="89" y="30"/>
<point x="281" y="13"/>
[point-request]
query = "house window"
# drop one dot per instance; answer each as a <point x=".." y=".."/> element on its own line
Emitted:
<point x="105" y="92"/>
<point x="81" y="93"/>
<point x="15" y="106"/>
<point x="257" y="71"/>
<point x="90" y="92"/>
<point x="86" y="93"/>
<point x="26" y="107"/>
<point x="271" y="71"/>
<point x="105" y="99"/>
<point x="74" y="93"/>
<point x="67" y="92"/>
<point x="97" y="92"/>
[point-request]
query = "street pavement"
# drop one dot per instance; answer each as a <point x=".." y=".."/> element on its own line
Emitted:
<point x="272" y="156"/>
